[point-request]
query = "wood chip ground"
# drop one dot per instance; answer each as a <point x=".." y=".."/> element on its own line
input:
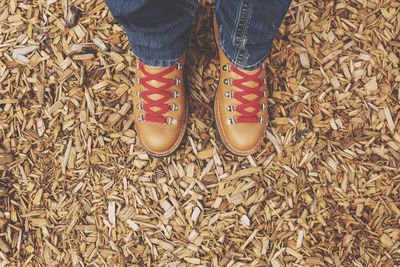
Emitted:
<point x="76" y="191"/>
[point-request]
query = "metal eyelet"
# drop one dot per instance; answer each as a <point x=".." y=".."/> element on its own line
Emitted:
<point x="139" y="93"/>
<point x="138" y="80"/>
<point x="260" y="120"/>
<point x="263" y="106"/>
<point x="139" y="106"/>
<point x="140" y="118"/>
<point x="229" y="94"/>
<point x="173" y="107"/>
<point x="226" y="67"/>
<point x="227" y="81"/>
<point x="265" y="94"/>
<point x="177" y="81"/>
<point x="175" y="94"/>
<point x="171" y="121"/>
<point x="231" y="108"/>
<point x="231" y="121"/>
<point x="178" y="66"/>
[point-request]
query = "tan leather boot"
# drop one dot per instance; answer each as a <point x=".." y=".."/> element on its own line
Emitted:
<point x="160" y="108"/>
<point x="240" y="105"/>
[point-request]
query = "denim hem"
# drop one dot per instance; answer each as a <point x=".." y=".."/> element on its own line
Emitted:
<point x="158" y="62"/>
<point x="154" y="62"/>
<point x="239" y="65"/>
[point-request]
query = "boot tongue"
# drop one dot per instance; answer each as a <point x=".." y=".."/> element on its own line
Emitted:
<point x="155" y="70"/>
<point x="251" y="84"/>
<point x="250" y="72"/>
<point x="236" y="76"/>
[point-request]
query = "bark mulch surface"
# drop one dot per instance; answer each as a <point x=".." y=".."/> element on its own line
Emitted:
<point x="75" y="189"/>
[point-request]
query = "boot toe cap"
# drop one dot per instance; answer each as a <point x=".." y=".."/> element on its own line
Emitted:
<point x="161" y="142"/>
<point x="243" y="140"/>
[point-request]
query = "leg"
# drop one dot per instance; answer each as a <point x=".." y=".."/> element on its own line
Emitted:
<point x="244" y="30"/>
<point x="247" y="28"/>
<point x="158" y="30"/>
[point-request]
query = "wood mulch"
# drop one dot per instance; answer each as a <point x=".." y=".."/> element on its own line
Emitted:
<point x="76" y="190"/>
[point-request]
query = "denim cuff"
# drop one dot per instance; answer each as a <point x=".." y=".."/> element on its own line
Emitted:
<point x="145" y="56"/>
<point x="239" y="65"/>
<point x="157" y="62"/>
<point x="247" y="29"/>
<point x="232" y="56"/>
<point x="165" y="44"/>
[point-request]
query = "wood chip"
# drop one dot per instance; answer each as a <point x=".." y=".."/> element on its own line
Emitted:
<point x="371" y="86"/>
<point x="100" y="44"/>
<point x="111" y="213"/>
<point x="204" y="154"/>
<point x="195" y="214"/>
<point x="304" y="60"/>
<point x="72" y="16"/>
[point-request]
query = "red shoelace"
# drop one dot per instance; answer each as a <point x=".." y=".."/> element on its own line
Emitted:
<point x="248" y="109"/>
<point x="155" y="109"/>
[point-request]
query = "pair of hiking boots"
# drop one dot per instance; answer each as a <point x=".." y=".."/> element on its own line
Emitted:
<point x="161" y="110"/>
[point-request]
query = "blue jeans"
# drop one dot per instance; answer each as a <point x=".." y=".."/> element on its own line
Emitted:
<point x="158" y="30"/>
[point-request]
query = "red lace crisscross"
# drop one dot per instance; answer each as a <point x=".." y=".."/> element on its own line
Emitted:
<point x="246" y="116"/>
<point x="155" y="109"/>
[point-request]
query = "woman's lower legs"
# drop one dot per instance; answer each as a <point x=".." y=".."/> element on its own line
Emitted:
<point x="247" y="28"/>
<point x="158" y="30"/>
